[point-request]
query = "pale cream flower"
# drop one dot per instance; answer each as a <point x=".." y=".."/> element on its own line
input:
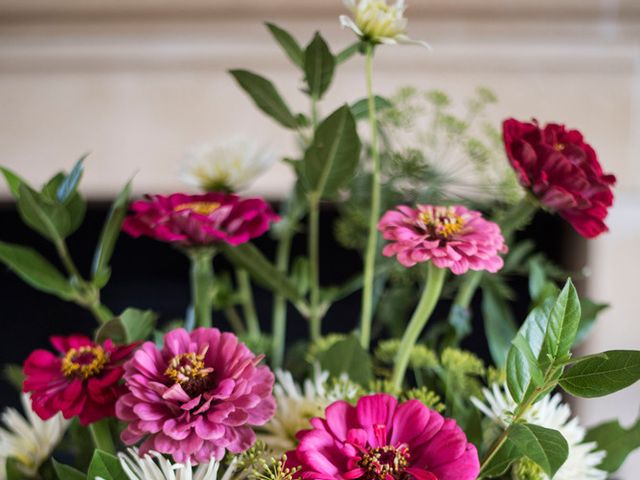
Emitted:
<point x="230" y="165"/>
<point x="378" y="21"/>
<point x="154" y="466"/>
<point x="28" y="439"/>
<point x="296" y="405"/>
<point x="583" y="460"/>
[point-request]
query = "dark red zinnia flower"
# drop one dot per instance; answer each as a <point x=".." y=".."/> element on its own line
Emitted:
<point x="562" y="171"/>
<point x="82" y="380"/>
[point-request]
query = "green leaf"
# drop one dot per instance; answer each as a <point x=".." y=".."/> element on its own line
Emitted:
<point x="499" y="324"/>
<point x="348" y="356"/>
<point x="524" y="348"/>
<point x="288" y="44"/>
<point x="300" y="274"/>
<point x="14" y="375"/>
<point x="319" y="66"/>
<point x="537" y="279"/>
<point x="548" y="448"/>
<point x="562" y="326"/>
<point x="13" y="471"/>
<point x="590" y="311"/>
<point x="69" y="185"/>
<point x="247" y="256"/>
<point x="348" y="52"/>
<point x="106" y="466"/>
<point x="71" y="200"/>
<point x="65" y="472"/>
<point x="35" y="270"/>
<point x="360" y="109"/>
<point x="332" y="158"/>
<point x="50" y="219"/>
<point x="617" y="441"/>
<point x="266" y="97"/>
<point x="602" y="375"/>
<point x="502" y="460"/>
<point x="139" y="324"/>
<point x="110" y="232"/>
<point x="13" y="181"/>
<point x="114" y="330"/>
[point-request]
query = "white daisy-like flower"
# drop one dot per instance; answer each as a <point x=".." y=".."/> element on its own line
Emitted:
<point x="230" y="165"/>
<point x="296" y="405"/>
<point x="549" y="412"/>
<point x="154" y="466"/>
<point x="378" y="21"/>
<point x="28" y="439"/>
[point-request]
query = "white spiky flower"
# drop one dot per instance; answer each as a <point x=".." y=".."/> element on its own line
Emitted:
<point x="154" y="466"/>
<point x="378" y="21"/>
<point x="296" y="405"/>
<point x="230" y="165"/>
<point x="28" y="439"/>
<point x="549" y="412"/>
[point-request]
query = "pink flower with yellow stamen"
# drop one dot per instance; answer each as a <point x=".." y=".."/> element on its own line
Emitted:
<point x="196" y="397"/>
<point x="205" y="219"/>
<point x="451" y="237"/>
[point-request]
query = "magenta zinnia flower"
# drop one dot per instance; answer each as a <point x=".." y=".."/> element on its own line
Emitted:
<point x="381" y="440"/>
<point x="83" y="380"/>
<point x="199" y="219"/>
<point x="451" y="237"/>
<point x="196" y="397"/>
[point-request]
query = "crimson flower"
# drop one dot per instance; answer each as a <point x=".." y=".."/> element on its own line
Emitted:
<point x="206" y="219"/>
<point x="82" y="380"/>
<point x="562" y="171"/>
<point x="379" y="439"/>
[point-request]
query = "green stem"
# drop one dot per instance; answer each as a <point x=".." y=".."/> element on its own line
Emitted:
<point x="314" y="111"/>
<point x="372" y="241"/>
<point x="428" y="301"/>
<point x="101" y="435"/>
<point x="280" y="303"/>
<point x="314" y="267"/>
<point x="201" y="284"/>
<point x="235" y="321"/>
<point x="248" y="306"/>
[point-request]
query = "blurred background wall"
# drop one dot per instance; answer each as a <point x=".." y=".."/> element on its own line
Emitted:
<point x="137" y="81"/>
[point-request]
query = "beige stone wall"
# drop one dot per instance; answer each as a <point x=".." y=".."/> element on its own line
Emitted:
<point x="136" y="82"/>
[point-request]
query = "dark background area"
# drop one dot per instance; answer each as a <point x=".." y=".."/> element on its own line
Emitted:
<point x="151" y="275"/>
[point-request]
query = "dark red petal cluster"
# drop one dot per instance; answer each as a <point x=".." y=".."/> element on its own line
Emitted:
<point x="82" y="380"/>
<point x="199" y="219"/>
<point x="562" y="171"/>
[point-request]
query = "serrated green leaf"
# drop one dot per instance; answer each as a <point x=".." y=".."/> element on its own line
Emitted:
<point x="562" y="327"/>
<point x="332" y="158"/>
<point x="617" y="441"/>
<point x="106" y="466"/>
<point x="288" y="44"/>
<point x="266" y="97"/>
<point x="602" y="375"/>
<point x="348" y="356"/>
<point x="35" y="270"/>
<point x="360" y="109"/>
<point x="65" y="472"/>
<point x="319" y="66"/>
<point x="110" y="232"/>
<point x="548" y="448"/>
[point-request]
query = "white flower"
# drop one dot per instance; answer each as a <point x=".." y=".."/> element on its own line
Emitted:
<point x="229" y="165"/>
<point x="153" y="466"/>
<point x="28" y="439"/>
<point x="379" y="22"/>
<point x="549" y="412"/>
<point x="296" y="406"/>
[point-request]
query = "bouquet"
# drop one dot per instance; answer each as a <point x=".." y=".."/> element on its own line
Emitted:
<point x="435" y="214"/>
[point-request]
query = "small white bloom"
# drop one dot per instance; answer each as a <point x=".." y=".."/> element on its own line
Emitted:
<point x="378" y="21"/>
<point x="153" y="466"/>
<point x="28" y="439"/>
<point x="297" y="405"/>
<point x="229" y="165"/>
<point x="549" y="412"/>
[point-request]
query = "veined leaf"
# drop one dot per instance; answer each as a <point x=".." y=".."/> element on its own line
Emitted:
<point x="288" y="44"/>
<point x="266" y="97"/>
<point x="562" y="327"/>
<point x="502" y="460"/>
<point x="319" y="66"/>
<point x="548" y="448"/>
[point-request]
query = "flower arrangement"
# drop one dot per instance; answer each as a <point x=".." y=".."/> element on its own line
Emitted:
<point x="210" y="398"/>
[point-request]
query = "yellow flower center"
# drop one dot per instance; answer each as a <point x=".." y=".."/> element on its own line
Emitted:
<point x="386" y="462"/>
<point x="189" y="370"/>
<point x="84" y="362"/>
<point x="201" y="208"/>
<point x="442" y="222"/>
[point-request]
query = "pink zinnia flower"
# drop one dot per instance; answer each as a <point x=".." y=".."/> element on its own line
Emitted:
<point x="83" y="380"/>
<point x="381" y="440"/>
<point x="196" y="397"/>
<point x="562" y="171"/>
<point x="199" y="219"/>
<point x="451" y="237"/>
